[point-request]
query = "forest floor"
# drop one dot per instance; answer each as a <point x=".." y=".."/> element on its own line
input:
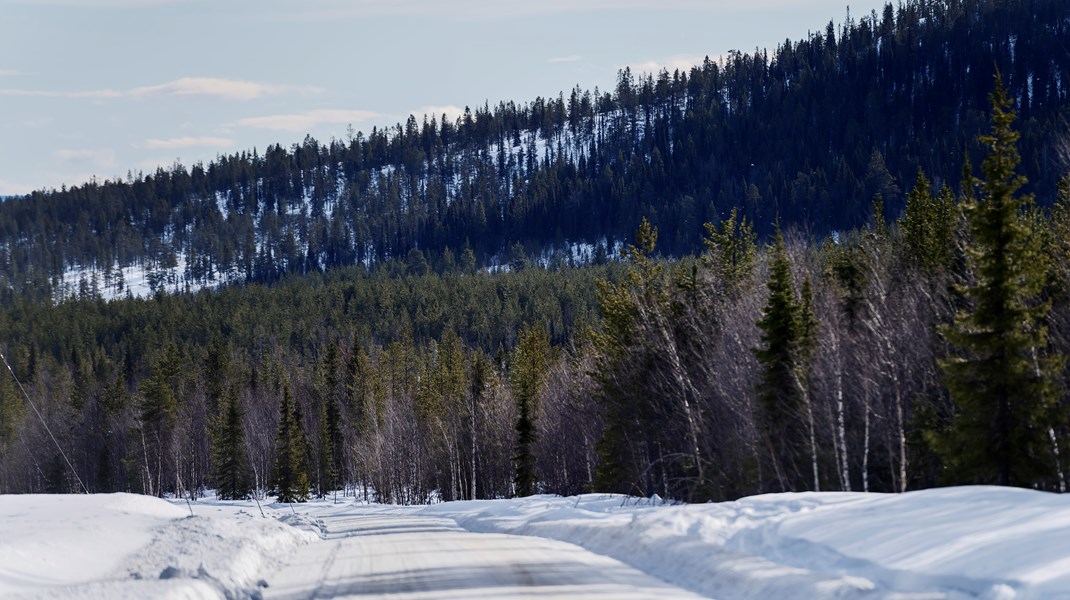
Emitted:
<point x="952" y="543"/>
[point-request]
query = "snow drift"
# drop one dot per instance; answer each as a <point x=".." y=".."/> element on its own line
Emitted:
<point x="953" y="543"/>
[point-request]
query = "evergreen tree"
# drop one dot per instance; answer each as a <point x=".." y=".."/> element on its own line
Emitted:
<point x="624" y="368"/>
<point x="1001" y="375"/>
<point x="230" y="464"/>
<point x="290" y="483"/>
<point x="780" y="400"/>
<point x="529" y="368"/>
<point x="928" y="226"/>
<point x="158" y="417"/>
<point x="730" y="249"/>
<point x="331" y="442"/>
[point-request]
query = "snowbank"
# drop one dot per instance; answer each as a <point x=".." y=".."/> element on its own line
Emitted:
<point x="967" y="542"/>
<point x="954" y="543"/>
<point x="130" y="546"/>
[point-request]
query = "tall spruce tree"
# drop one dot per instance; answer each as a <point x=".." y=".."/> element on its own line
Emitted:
<point x="331" y="441"/>
<point x="1001" y="375"/>
<point x="290" y="483"/>
<point x="781" y="403"/>
<point x="230" y="464"/>
<point x="528" y="371"/>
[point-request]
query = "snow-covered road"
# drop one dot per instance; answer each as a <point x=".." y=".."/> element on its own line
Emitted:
<point x="965" y="543"/>
<point x="383" y="553"/>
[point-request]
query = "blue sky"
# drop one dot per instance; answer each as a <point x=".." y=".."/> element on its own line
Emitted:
<point x="106" y="87"/>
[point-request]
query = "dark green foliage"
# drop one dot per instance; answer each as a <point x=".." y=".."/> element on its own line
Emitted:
<point x="290" y="482"/>
<point x="786" y="336"/>
<point x="529" y="366"/>
<point x="230" y="464"/>
<point x="730" y="249"/>
<point x="929" y="226"/>
<point x="330" y="465"/>
<point x="623" y="366"/>
<point x="1001" y="376"/>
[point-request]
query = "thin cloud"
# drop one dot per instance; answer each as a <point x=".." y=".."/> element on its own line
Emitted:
<point x="452" y="112"/>
<point x="565" y="59"/>
<point x="90" y="158"/>
<point x="20" y="93"/>
<point x="499" y="9"/>
<point x="308" y="120"/>
<point x="9" y="72"/>
<point x="101" y="3"/>
<point x="225" y="89"/>
<point x="187" y="142"/>
<point x="11" y="188"/>
<point x="677" y="62"/>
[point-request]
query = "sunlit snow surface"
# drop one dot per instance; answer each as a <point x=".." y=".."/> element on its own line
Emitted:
<point x="979" y="542"/>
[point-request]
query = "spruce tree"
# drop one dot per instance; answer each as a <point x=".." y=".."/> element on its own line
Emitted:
<point x="331" y="441"/>
<point x="230" y="464"/>
<point x="290" y="483"/>
<point x="528" y="371"/>
<point x="1001" y="375"/>
<point x="780" y="402"/>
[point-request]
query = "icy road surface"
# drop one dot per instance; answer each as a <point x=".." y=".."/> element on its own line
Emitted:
<point x="391" y="553"/>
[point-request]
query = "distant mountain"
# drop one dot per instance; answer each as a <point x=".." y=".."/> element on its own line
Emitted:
<point x="808" y="134"/>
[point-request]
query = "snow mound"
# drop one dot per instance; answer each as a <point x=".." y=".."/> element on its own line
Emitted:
<point x="954" y="543"/>
<point x="130" y="546"/>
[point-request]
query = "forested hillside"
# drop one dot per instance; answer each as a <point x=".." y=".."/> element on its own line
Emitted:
<point x="836" y="275"/>
<point x="805" y="133"/>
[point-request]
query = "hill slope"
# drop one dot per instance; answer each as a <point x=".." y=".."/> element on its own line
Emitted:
<point x="808" y="134"/>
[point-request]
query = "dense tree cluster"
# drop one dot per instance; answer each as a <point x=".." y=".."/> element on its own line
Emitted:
<point x="400" y="383"/>
<point x="806" y="133"/>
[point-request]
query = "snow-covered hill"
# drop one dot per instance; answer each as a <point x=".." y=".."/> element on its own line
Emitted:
<point x="966" y="542"/>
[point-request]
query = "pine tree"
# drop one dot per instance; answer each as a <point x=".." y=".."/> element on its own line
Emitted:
<point x="1001" y="375"/>
<point x="529" y="368"/>
<point x="290" y="483"/>
<point x="230" y="463"/>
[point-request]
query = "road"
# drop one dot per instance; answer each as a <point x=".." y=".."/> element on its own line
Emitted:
<point x="400" y="556"/>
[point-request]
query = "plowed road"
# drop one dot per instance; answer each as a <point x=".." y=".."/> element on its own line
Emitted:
<point x="405" y="557"/>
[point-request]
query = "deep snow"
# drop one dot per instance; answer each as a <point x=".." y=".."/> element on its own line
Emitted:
<point x="966" y="542"/>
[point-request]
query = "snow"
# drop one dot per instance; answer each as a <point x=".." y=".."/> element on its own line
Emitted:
<point x="952" y="543"/>
<point x="131" y="546"/>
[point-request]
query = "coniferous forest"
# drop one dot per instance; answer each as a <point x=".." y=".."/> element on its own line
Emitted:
<point x="843" y="264"/>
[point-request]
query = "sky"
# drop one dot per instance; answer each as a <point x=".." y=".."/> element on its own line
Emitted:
<point x="108" y="88"/>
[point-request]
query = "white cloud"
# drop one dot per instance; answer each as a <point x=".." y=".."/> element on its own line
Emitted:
<point x="452" y="112"/>
<point x="227" y="89"/>
<point x="565" y="59"/>
<point x="90" y="158"/>
<point x="9" y="72"/>
<point x="308" y="120"/>
<point x="682" y="62"/>
<point x="187" y="142"/>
